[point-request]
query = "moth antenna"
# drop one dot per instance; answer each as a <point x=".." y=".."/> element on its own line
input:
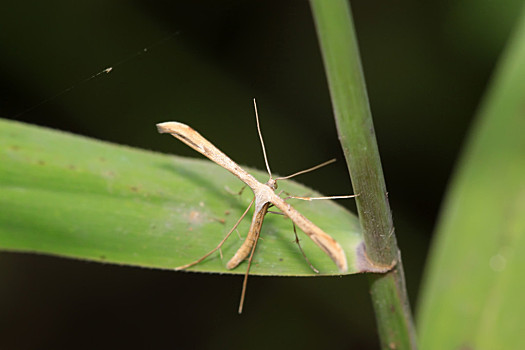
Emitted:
<point x="307" y="170"/>
<point x="260" y="137"/>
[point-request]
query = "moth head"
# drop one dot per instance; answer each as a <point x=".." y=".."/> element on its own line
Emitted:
<point x="272" y="183"/>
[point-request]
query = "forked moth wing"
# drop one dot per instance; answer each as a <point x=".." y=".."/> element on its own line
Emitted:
<point x="323" y="240"/>
<point x="246" y="247"/>
<point x="196" y="141"/>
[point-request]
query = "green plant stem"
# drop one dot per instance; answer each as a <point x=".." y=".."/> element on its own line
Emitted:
<point x="356" y="132"/>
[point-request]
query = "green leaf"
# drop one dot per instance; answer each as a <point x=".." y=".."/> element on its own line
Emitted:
<point x="71" y="196"/>
<point x="473" y="295"/>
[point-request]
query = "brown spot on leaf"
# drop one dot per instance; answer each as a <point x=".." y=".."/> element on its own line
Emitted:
<point x="194" y="215"/>
<point x="196" y="218"/>
<point x="222" y="221"/>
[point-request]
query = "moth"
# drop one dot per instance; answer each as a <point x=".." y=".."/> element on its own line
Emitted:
<point x="265" y="197"/>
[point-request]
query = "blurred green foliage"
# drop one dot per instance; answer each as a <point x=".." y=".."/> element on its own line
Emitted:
<point x="473" y="295"/>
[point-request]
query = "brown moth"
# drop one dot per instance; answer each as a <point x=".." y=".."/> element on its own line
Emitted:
<point x="265" y="197"/>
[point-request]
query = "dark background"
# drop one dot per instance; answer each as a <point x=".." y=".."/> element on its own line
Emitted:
<point x="427" y="65"/>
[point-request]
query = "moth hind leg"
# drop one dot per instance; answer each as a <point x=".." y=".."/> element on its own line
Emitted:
<point x="232" y="192"/>
<point x="239" y="193"/>
<point x="297" y="241"/>
<point x="218" y="247"/>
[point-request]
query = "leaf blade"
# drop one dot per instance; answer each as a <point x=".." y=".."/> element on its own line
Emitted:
<point x="71" y="196"/>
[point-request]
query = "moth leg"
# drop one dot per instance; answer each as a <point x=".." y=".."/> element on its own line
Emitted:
<point x="245" y="282"/>
<point x="326" y="197"/>
<point x="238" y="235"/>
<point x="302" y="251"/>
<point x="230" y="191"/>
<point x="218" y="247"/>
<point x="316" y="198"/>
<point x="297" y="241"/>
